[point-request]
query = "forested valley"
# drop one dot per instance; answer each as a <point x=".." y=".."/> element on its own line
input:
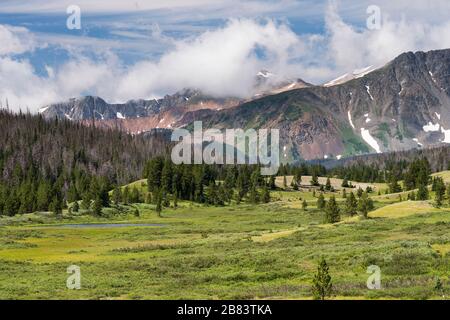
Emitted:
<point x="47" y="165"/>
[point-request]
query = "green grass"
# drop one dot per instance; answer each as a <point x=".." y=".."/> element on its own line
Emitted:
<point x="265" y="251"/>
<point x="444" y="175"/>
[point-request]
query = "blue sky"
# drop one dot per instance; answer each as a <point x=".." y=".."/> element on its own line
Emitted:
<point x="151" y="47"/>
<point x="133" y="31"/>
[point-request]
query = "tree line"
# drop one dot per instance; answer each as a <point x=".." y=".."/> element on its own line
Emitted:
<point x="45" y="164"/>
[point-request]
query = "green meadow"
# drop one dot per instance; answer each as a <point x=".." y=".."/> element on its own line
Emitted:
<point x="265" y="251"/>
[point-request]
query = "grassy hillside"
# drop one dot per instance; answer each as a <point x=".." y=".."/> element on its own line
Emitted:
<point x="234" y="252"/>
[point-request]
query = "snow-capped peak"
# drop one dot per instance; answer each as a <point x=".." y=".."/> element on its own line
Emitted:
<point x="356" y="74"/>
<point x="265" y="74"/>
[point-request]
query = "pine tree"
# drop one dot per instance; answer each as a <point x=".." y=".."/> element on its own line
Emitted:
<point x="238" y="196"/>
<point x="298" y="179"/>
<point x="241" y="191"/>
<point x="43" y="195"/>
<point x="228" y="185"/>
<point x="155" y="168"/>
<point x="165" y="200"/>
<point x="11" y="204"/>
<point x="365" y="204"/>
<point x="322" y="284"/>
<point x="117" y="195"/>
<point x="344" y="194"/>
<point x="321" y="202"/>
<point x="328" y="185"/>
<point x="440" y="192"/>
<point x="422" y="193"/>
<point x="212" y="194"/>
<point x="345" y="183"/>
<point x="148" y="198"/>
<point x="448" y="193"/>
<point x="103" y="192"/>
<point x="135" y="195"/>
<point x="223" y="195"/>
<point x="272" y="184"/>
<point x="97" y="207"/>
<point x="158" y="200"/>
<point x="304" y="205"/>
<point x="315" y="180"/>
<point x="126" y="195"/>
<point x="394" y="186"/>
<point x="86" y="201"/>
<point x="332" y="211"/>
<point x="359" y="192"/>
<point x="253" y="196"/>
<point x="265" y="195"/>
<point x="199" y="194"/>
<point x="351" y="204"/>
<point x="166" y="176"/>
<point x="56" y="206"/>
<point x="175" y="200"/>
<point x="284" y="182"/>
<point x="439" y="287"/>
<point x="72" y="194"/>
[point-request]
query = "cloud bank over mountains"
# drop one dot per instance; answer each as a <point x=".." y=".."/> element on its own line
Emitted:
<point x="221" y="61"/>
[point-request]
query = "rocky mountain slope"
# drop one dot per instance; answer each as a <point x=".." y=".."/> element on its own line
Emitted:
<point x="137" y="116"/>
<point x="402" y="105"/>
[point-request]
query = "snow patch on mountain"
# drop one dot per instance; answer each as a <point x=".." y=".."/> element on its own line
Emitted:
<point x="120" y="115"/>
<point x="342" y="79"/>
<point x="370" y="140"/>
<point x="368" y="92"/>
<point x="417" y="141"/>
<point x="356" y="74"/>
<point x="432" y="76"/>
<point x="430" y="127"/>
<point x="264" y="74"/>
<point x="350" y="120"/>
<point x="101" y="115"/>
<point x="446" y="135"/>
<point x="41" y="110"/>
<point x="359" y="73"/>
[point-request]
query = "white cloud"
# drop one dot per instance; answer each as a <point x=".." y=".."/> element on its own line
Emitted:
<point x="95" y="6"/>
<point x="350" y="48"/>
<point x="15" y="40"/>
<point x="21" y="87"/>
<point x="221" y="61"/>
<point x="120" y="6"/>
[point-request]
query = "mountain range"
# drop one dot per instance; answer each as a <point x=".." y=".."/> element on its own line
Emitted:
<point x="402" y="105"/>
